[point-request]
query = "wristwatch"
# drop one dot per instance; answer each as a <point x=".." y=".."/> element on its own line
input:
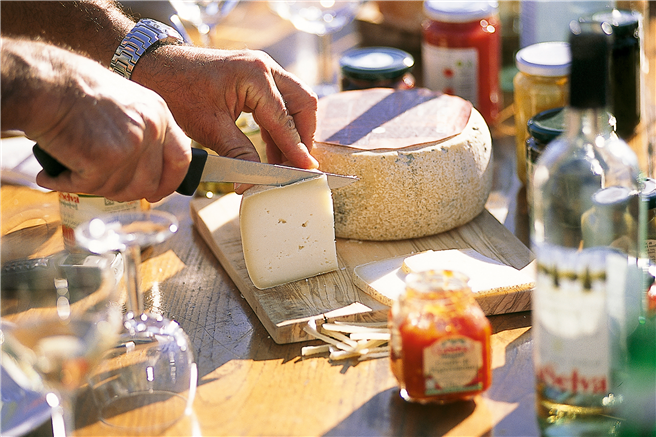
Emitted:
<point x="145" y="34"/>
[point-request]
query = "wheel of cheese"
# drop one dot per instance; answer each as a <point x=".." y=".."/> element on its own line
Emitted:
<point x="424" y="160"/>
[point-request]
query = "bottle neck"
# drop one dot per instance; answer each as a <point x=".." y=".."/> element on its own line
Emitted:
<point x="588" y="122"/>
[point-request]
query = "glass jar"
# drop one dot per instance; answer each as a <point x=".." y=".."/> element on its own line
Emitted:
<point x="461" y="52"/>
<point x="542" y="129"/>
<point x="440" y="339"/>
<point x="540" y="84"/>
<point x="609" y="222"/>
<point x="376" y="67"/>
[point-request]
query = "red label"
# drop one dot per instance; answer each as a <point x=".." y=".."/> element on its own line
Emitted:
<point x="572" y="382"/>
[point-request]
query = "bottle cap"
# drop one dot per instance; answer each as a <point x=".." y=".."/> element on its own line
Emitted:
<point x="614" y="196"/>
<point x="545" y="59"/>
<point x="459" y="12"/>
<point x="624" y="23"/>
<point x="649" y="192"/>
<point x="589" y="45"/>
<point x="375" y="63"/>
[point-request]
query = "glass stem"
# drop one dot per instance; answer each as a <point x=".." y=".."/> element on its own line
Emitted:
<point x="132" y="259"/>
<point x="326" y="75"/>
<point x="63" y="416"/>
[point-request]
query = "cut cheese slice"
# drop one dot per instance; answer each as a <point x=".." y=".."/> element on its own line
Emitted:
<point x="287" y="232"/>
<point x="423" y="159"/>
<point x="491" y="281"/>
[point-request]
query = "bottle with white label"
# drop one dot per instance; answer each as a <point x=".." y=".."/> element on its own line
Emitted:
<point x="588" y="286"/>
<point x="76" y="209"/>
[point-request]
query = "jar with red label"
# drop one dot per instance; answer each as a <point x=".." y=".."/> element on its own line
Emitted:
<point x="461" y="52"/>
<point x="440" y="339"/>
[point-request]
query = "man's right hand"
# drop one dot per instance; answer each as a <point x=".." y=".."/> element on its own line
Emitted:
<point x="117" y="138"/>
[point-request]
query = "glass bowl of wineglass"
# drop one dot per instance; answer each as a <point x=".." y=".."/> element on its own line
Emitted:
<point x="204" y="15"/>
<point x="322" y="18"/>
<point x="60" y="312"/>
<point x="151" y="370"/>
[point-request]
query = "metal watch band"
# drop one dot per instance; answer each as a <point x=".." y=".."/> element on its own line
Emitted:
<point x="142" y="36"/>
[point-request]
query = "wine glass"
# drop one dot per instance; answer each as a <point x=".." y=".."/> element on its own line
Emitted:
<point x="60" y="313"/>
<point x="203" y="14"/>
<point x="151" y="371"/>
<point x="322" y="18"/>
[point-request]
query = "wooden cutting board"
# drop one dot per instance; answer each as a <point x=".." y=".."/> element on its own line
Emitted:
<point x="286" y="309"/>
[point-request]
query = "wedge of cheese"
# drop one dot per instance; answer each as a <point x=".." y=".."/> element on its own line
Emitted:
<point x="288" y="233"/>
<point x="424" y="161"/>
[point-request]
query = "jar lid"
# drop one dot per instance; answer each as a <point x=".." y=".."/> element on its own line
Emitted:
<point x="459" y="12"/>
<point x="624" y="23"/>
<point x="545" y="59"/>
<point x="376" y="63"/>
<point x="547" y="125"/>
<point x="615" y="196"/>
<point x="649" y="192"/>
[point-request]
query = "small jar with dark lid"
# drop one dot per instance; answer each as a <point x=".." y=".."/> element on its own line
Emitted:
<point x="608" y="222"/>
<point x="542" y="129"/>
<point x="376" y="67"/>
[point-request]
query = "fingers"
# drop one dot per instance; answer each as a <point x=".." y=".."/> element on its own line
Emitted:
<point x="143" y="155"/>
<point x="290" y="122"/>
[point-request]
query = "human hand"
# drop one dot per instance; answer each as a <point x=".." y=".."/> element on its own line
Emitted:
<point x="208" y="89"/>
<point x="117" y="138"/>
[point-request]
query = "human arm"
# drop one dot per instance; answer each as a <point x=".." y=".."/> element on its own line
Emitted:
<point x="206" y="89"/>
<point x="118" y="139"/>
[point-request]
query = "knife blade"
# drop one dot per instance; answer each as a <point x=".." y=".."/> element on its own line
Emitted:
<point x="213" y="168"/>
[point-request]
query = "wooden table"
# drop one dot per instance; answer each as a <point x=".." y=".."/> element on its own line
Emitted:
<point x="249" y="385"/>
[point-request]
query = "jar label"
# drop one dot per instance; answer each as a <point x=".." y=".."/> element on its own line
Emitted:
<point x="451" y="364"/>
<point x="451" y="71"/>
<point x="76" y="209"/>
<point x="651" y="250"/>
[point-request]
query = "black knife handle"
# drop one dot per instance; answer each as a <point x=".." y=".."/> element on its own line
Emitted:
<point x="53" y="167"/>
<point x="188" y="186"/>
<point x="194" y="173"/>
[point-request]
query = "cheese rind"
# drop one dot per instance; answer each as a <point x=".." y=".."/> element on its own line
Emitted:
<point x="413" y="191"/>
<point x="287" y="232"/>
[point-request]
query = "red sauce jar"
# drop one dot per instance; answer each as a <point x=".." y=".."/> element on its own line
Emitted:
<point x="461" y="52"/>
<point x="440" y="339"/>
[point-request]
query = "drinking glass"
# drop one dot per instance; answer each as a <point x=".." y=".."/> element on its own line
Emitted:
<point x="151" y="371"/>
<point x="60" y="313"/>
<point x="322" y="18"/>
<point x="203" y="14"/>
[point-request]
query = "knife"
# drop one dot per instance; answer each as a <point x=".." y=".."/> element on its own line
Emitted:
<point x="213" y="168"/>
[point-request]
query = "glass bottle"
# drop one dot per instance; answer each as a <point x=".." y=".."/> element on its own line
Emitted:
<point x="440" y="339"/>
<point x="639" y="407"/>
<point x="585" y="298"/>
<point x="625" y="68"/>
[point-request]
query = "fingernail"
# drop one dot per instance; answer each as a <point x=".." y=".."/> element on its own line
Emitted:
<point x="315" y="163"/>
